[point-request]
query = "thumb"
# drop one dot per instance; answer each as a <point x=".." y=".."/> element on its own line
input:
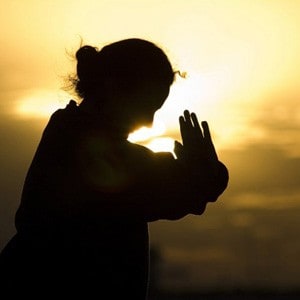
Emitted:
<point x="178" y="149"/>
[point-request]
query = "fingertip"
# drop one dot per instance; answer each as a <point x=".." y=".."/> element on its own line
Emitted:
<point x="206" y="129"/>
<point x="204" y="123"/>
<point x="186" y="113"/>
<point x="194" y="116"/>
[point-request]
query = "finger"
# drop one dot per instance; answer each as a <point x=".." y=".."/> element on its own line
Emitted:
<point x="186" y="127"/>
<point x="195" y="120"/>
<point x="196" y="125"/>
<point x="178" y="149"/>
<point x="184" y="130"/>
<point x="182" y="123"/>
<point x="187" y="117"/>
<point x="207" y="136"/>
<point x="186" y="113"/>
<point x="206" y="131"/>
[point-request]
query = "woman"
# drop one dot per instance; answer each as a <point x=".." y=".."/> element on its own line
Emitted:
<point x="82" y="225"/>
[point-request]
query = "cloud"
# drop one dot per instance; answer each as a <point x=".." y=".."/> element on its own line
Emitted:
<point x="230" y="249"/>
<point x="249" y="237"/>
<point x="277" y="119"/>
<point x="263" y="169"/>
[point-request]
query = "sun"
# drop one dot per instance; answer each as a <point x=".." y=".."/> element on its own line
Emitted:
<point x="161" y="144"/>
<point x="153" y="137"/>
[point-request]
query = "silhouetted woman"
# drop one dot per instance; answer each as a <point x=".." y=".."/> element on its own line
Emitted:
<point x="89" y="193"/>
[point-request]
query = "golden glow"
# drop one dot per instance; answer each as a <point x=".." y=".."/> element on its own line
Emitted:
<point x="41" y="104"/>
<point x="146" y="133"/>
<point x="243" y="77"/>
<point x="237" y="55"/>
<point x="152" y="137"/>
<point x="161" y="144"/>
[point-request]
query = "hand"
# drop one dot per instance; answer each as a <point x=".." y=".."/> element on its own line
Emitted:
<point x="197" y="149"/>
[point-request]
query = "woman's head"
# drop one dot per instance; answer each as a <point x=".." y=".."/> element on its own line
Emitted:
<point x="131" y="76"/>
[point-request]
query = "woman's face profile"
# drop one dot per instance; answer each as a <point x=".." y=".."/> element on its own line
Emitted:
<point x="146" y="101"/>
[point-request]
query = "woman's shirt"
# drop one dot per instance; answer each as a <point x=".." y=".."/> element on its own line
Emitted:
<point x="94" y="193"/>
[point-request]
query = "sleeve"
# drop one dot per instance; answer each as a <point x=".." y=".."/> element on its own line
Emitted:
<point x="159" y="188"/>
<point x="207" y="189"/>
<point x="179" y="192"/>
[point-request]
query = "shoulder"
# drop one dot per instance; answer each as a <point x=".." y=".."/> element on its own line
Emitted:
<point x="63" y="119"/>
<point x="64" y="113"/>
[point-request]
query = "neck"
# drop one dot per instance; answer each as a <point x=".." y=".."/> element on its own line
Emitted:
<point x="103" y="118"/>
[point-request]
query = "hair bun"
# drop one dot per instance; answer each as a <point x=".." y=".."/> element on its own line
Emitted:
<point x="86" y="60"/>
<point x="86" y="53"/>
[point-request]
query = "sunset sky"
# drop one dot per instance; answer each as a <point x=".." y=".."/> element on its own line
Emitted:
<point x="242" y="63"/>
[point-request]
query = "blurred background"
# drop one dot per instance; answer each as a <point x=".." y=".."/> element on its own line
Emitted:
<point x="242" y="66"/>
